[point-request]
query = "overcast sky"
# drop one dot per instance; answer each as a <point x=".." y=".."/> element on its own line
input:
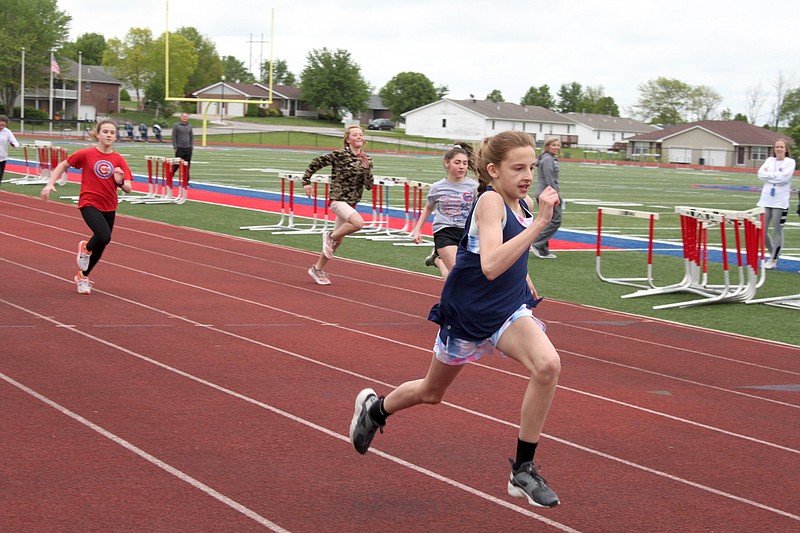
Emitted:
<point x="473" y="47"/>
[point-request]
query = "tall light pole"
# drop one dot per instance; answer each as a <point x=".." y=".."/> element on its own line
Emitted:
<point x="80" y="71"/>
<point x="222" y="100"/>
<point x="22" y="100"/>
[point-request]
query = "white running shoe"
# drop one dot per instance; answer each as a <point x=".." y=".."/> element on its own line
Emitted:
<point x="84" y="256"/>
<point x="769" y="264"/>
<point x="83" y="283"/>
<point x="319" y="276"/>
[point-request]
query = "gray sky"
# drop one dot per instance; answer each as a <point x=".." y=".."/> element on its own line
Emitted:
<point x="473" y="47"/>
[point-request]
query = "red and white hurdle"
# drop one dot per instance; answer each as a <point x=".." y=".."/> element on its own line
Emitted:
<point x="162" y="182"/>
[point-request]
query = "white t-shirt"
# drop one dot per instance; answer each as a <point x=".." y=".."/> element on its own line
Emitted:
<point x="452" y="202"/>
<point x="6" y="138"/>
<point x="777" y="178"/>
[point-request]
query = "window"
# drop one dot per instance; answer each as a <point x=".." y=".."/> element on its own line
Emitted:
<point x="759" y="153"/>
<point x="444" y="122"/>
<point x="88" y="86"/>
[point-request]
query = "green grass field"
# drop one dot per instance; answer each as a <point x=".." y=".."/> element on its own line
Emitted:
<point x="571" y="277"/>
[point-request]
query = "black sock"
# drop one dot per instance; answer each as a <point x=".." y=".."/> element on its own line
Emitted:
<point x="378" y="413"/>
<point x="525" y="452"/>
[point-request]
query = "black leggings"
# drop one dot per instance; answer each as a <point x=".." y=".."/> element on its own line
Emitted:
<point x="101" y="223"/>
<point x="2" y="170"/>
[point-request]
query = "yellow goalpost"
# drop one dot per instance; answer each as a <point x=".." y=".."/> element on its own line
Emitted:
<point x="209" y="101"/>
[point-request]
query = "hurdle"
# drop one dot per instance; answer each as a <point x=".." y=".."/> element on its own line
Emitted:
<point x="39" y="172"/>
<point x="695" y="224"/>
<point x="161" y="182"/>
<point x="380" y="228"/>
<point x="415" y="204"/>
<point x="311" y="228"/>
<point x="632" y="282"/>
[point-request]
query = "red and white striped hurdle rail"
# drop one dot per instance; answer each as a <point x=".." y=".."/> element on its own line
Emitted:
<point x="695" y="224"/>
<point x="287" y="223"/>
<point x="632" y="282"/>
<point x="162" y="182"/>
<point x="47" y="158"/>
<point x="379" y="228"/>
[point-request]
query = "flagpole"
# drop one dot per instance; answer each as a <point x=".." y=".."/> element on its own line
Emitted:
<point x="80" y="71"/>
<point x="22" y="100"/>
<point x="51" y="90"/>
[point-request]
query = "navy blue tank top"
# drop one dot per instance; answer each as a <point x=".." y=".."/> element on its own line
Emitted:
<point x="472" y="307"/>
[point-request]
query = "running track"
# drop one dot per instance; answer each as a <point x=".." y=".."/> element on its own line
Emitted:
<point x="207" y="385"/>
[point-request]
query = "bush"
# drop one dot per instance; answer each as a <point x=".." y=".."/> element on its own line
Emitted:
<point x="124" y="96"/>
<point x="33" y="113"/>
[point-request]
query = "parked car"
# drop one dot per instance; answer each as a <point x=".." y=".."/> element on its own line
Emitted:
<point x="381" y="124"/>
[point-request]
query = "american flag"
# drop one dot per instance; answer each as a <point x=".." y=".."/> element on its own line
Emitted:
<point x="54" y="65"/>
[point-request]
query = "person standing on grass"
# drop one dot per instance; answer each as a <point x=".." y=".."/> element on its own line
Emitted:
<point x="450" y="200"/>
<point x="776" y="173"/>
<point x="351" y="173"/>
<point x="102" y="172"/>
<point x="548" y="177"/>
<point x="487" y="303"/>
<point x="183" y="141"/>
<point x="6" y="138"/>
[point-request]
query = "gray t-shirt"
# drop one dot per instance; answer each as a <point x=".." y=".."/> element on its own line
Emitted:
<point x="452" y="202"/>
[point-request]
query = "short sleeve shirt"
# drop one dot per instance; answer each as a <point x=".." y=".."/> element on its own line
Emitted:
<point x="98" y="188"/>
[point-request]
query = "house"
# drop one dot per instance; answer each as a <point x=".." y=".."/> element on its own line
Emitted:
<point x="716" y="143"/>
<point x="98" y="93"/>
<point x="604" y="132"/>
<point x="286" y="99"/>
<point x="472" y="120"/>
<point x="376" y="110"/>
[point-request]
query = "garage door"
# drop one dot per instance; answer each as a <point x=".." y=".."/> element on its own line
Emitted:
<point x="714" y="158"/>
<point x="678" y="154"/>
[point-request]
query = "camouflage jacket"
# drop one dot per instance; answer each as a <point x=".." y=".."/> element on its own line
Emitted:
<point x="348" y="177"/>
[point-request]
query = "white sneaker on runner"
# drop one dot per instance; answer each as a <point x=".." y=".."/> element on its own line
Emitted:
<point x="319" y="276"/>
<point x="83" y="256"/>
<point x="83" y="283"/>
<point x="769" y="264"/>
<point x="328" y="245"/>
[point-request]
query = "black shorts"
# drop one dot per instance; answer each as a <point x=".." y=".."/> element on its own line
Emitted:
<point x="447" y="237"/>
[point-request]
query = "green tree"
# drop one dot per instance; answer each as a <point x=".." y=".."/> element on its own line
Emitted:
<point x="539" y="96"/>
<point x="130" y="59"/>
<point x="703" y="102"/>
<point x="740" y="117"/>
<point x="209" y="66"/>
<point x="332" y="81"/>
<point x="280" y="73"/>
<point x="607" y="106"/>
<point x="91" y="47"/>
<point x="37" y="26"/>
<point x="182" y="63"/>
<point x="407" y="91"/>
<point x="495" y="96"/>
<point x="235" y="71"/>
<point x="570" y="97"/>
<point x="663" y="101"/>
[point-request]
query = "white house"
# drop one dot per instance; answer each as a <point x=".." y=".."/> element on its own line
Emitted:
<point x="601" y="132"/>
<point x="472" y="120"/>
<point x="284" y="98"/>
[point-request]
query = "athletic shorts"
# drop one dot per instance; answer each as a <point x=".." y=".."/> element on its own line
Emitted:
<point x="449" y="236"/>
<point x="460" y="352"/>
<point x="341" y="209"/>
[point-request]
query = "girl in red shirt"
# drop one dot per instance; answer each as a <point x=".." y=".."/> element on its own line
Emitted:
<point x="102" y="172"/>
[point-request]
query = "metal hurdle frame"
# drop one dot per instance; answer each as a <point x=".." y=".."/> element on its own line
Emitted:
<point x="160" y="182"/>
<point x="631" y="282"/>
<point x="306" y="228"/>
<point x="48" y="157"/>
<point x="695" y="222"/>
<point x="381" y="229"/>
<point x="415" y="201"/>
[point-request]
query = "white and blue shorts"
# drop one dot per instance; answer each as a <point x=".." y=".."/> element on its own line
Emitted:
<point x="460" y="352"/>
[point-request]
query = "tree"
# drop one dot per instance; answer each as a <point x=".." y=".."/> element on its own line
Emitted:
<point x="607" y="106"/>
<point x="570" y="97"/>
<point x="740" y="117"/>
<point x="280" y="73"/>
<point x="37" y="26"/>
<point x="755" y="100"/>
<point x="663" y="101"/>
<point x="130" y="59"/>
<point x="209" y="66"/>
<point x="539" y="96"/>
<point x="594" y="100"/>
<point x="182" y="63"/>
<point x="782" y="85"/>
<point x="235" y="71"/>
<point x="332" y="81"/>
<point x="495" y="96"/>
<point x="703" y="102"/>
<point x="407" y="91"/>
<point x="91" y="47"/>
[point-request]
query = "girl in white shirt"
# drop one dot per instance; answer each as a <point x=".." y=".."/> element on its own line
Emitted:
<point x="776" y="173"/>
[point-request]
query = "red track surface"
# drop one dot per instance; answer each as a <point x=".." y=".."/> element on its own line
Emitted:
<point x="207" y="385"/>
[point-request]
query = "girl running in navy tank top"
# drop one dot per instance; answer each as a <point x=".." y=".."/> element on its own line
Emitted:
<point x="486" y="304"/>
